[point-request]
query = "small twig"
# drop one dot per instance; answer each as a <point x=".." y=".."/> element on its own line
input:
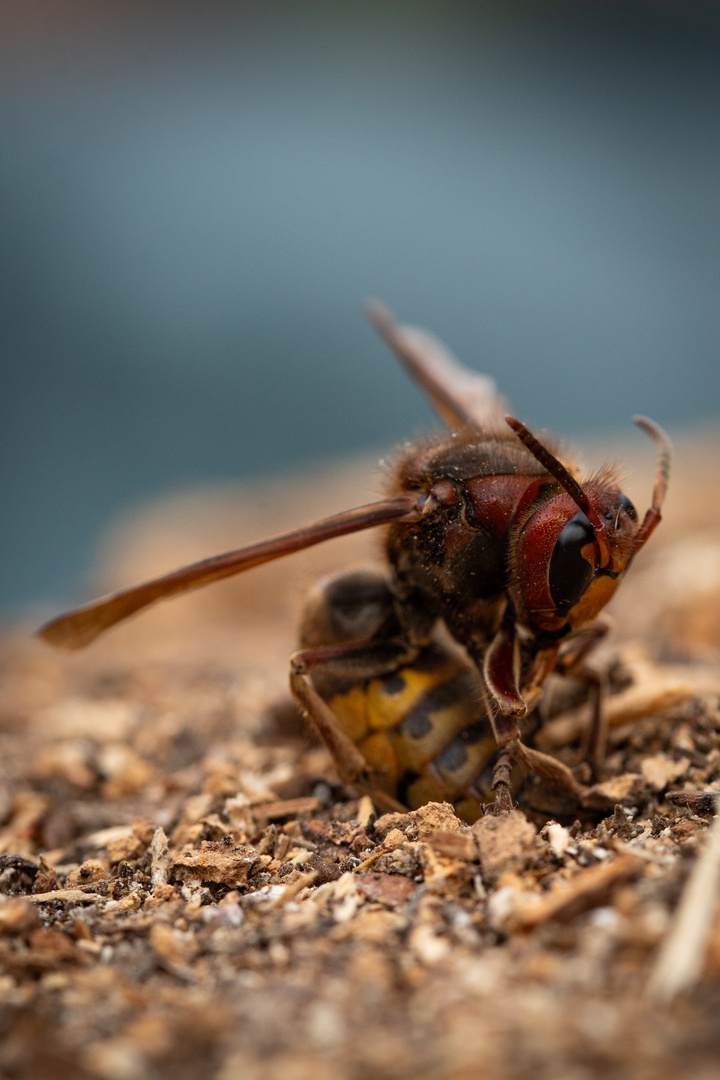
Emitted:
<point x="682" y="954"/>
<point x="291" y="891"/>
<point x="75" y="895"/>
<point x="361" y="867"/>
<point x="703" y="802"/>
<point x="590" y="889"/>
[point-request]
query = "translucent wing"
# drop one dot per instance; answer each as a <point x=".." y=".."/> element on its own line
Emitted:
<point x="79" y="627"/>
<point x="462" y="398"/>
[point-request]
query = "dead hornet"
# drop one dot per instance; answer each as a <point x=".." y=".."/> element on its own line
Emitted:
<point x="488" y="533"/>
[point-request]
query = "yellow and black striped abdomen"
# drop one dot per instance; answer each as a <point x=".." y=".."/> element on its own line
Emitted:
<point x="424" y="732"/>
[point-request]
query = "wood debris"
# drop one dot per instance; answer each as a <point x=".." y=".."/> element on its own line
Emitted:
<point x="681" y="959"/>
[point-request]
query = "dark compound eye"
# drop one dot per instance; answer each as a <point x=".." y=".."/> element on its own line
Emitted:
<point x="570" y="573"/>
<point x="628" y="507"/>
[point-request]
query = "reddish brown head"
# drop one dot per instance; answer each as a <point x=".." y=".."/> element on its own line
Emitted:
<point x="570" y="549"/>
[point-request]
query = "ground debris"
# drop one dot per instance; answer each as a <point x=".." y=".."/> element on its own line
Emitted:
<point x="680" y="962"/>
<point x="503" y="843"/>
<point x="700" y="802"/>
<point x="392" y="890"/>
<point x="588" y="889"/>
<point x="182" y="895"/>
<point x="216" y="861"/>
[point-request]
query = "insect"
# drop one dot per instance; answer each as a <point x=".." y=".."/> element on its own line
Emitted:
<point x="489" y="533"/>
<point x="410" y="723"/>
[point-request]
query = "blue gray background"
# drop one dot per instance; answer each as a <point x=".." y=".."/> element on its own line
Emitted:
<point x="196" y="198"/>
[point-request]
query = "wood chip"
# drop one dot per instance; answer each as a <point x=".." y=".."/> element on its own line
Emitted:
<point x="660" y="770"/>
<point x="503" y="842"/>
<point x="88" y="873"/>
<point x="215" y="863"/>
<point x="392" y="890"/>
<point x="433" y="818"/>
<point x="699" y="802"/>
<point x="365" y="810"/>
<point x="159" y="858"/>
<point x="454" y="845"/>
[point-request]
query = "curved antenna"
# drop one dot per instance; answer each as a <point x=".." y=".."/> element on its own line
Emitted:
<point x="79" y="627"/>
<point x="566" y="481"/>
<point x="662" y="476"/>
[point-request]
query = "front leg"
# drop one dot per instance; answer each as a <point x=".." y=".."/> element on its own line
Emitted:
<point x="501" y="672"/>
<point x="499" y="667"/>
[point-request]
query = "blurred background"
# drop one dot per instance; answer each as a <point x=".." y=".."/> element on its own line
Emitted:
<point x="196" y="198"/>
